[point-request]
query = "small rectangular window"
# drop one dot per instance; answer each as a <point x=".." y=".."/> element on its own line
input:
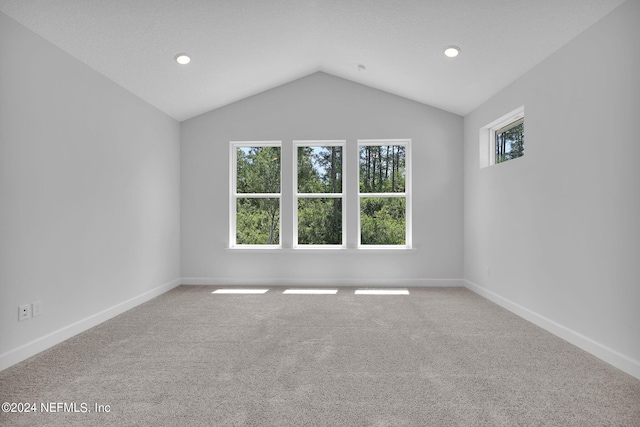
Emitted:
<point x="319" y="193"/>
<point x="502" y="139"/>
<point x="384" y="193"/>
<point x="509" y="141"/>
<point x="255" y="194"/>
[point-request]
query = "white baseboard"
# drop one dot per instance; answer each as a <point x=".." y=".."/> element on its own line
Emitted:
<point x="324" y="283"/>
<point x="619" y="360"/>
<point x="34" y="347"/>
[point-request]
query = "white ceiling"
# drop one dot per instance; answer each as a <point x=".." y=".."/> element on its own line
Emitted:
<point x="243" y="47"/>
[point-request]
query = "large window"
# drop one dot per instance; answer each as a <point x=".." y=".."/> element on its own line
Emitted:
<point x="319" y="194"/>
<point x="255" y="194"/>
<point x="384" y="193"/>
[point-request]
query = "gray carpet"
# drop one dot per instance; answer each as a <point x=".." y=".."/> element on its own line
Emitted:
<point x="438" y="357"/>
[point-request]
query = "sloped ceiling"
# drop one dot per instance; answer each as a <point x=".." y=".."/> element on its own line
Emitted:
<point x="242" y="47"/>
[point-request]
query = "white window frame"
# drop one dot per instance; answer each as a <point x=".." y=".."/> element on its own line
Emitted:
<point x="234" y="195"/>
<point x="297" y="195"/>
<point x="488" y="136"/>
<point x="406" y="194"/>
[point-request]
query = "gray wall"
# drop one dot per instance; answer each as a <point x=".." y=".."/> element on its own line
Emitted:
<point x="559" y="228"/>
<point x="89" y="195"/>
<point x="321" y="106"/>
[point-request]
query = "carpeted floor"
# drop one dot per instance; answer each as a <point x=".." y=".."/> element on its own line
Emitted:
<point x="437" y="357"/>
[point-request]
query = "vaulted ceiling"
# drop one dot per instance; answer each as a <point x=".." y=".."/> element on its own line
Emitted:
<point x="243" y="47"/>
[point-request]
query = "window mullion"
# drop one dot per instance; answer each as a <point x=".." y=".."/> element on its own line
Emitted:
<point x="319" y="195"/>
<point x="382" y="194"/>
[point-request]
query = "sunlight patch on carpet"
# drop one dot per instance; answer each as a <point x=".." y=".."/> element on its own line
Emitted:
<point x="382" y="292"/>
<point x="239" y="291"/>
<point x="311" y="291"/>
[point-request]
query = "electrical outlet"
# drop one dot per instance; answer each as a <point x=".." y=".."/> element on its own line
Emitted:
<point x="24" y="312"/>
<point x="36" y="308"/>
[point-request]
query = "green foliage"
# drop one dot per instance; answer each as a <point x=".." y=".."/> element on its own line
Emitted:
<point x="320" y="169"/>
<point x="510" y="144"/>
<point x="382" y="221"/>
<point x="320" y="221"/>
<point x="258" y="219"/>
<point x="382" y="168"/>
<point x="258" y="170"/>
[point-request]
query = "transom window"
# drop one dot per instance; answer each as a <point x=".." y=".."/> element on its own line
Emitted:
<point x="502" y="139"/>
<point x="509" y="141"/>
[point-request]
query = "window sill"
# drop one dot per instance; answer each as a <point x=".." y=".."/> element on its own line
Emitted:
<point x="341" y="251"/>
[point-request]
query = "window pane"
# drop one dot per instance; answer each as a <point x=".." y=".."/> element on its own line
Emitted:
<point x="382" y="168"/>
<point x="320" y="169"/>
<point x="382" y="220"/>
<point x="320" y="221"/>
<point x="510" y="143"/>
<point x="258" y="221"/>
<point x="258" y="170"/>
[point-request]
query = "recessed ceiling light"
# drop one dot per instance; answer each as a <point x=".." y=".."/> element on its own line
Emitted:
<point x="183" y="59"/>
<point x="452" y="51"/>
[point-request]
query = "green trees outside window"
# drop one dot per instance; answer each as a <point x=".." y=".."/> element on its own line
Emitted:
<point x="383" y="173"/>
<point x="382" y="168"/>
<point x="319" y="221"/>
<point x="319" y="195"/>
<point x="382" y="221"/>
<point x="510" y="141"/>
<point x="258" y="195"/>
<point x="320" y="169"/>
<point x="257" y="221"/>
